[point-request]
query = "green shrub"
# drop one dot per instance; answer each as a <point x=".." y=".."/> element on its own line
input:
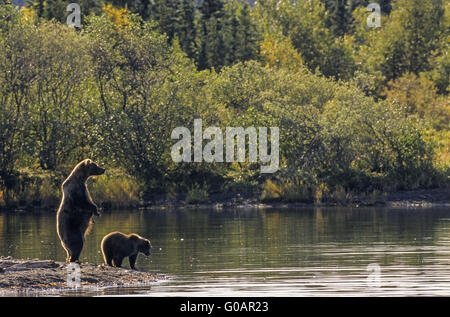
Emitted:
<point x="197" y="194"/>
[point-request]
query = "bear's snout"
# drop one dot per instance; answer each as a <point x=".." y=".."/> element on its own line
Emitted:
<point x="148" y="248"/>
<point x="99" y="171"/>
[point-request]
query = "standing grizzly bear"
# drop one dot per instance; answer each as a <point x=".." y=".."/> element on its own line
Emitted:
<point x="75" y="212"/>
<point x="117" y="245"/>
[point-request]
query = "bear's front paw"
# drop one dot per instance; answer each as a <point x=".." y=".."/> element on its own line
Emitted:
<point x="94" y="210"/>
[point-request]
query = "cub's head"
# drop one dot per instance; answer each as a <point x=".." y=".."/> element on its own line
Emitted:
<point x="145" y="246"/>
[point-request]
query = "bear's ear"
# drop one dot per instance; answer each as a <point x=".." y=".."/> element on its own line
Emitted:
<point x="87" y="162"/>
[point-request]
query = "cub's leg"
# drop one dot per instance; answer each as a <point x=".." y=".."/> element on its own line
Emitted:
<point x="132" y="259"/>
<point x="118" y="261"/>
<point x="107" y="257"/>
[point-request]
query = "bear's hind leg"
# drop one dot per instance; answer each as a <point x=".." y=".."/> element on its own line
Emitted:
<point x="67" y="251"/>
<point x="75" y="246"/>
<point x="62" y="233"/>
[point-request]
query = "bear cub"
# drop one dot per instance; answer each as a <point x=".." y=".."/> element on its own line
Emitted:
<point x="74" y="217"/>
<point x="116" y="246"/>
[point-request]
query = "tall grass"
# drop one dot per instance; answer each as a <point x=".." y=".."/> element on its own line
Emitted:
<point x="41" y="192"/>
<point x="115" y="191"/>
<point x="287" y="191"/>
<point x="2" y="198"/>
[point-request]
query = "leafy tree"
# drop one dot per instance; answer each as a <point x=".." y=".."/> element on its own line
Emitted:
<point x="60" y="64"/>
<point x="304" y="22"/>
<point x="440" y="73"/>
<point x="17" y="73"/>
<point x="406" y="41"/>
<point x="331" y="133"/>
<point x="420" y="97"/>
<point x="116" y="15"/>
<point x="141" y="84"/>
<point x="279" y="52"/>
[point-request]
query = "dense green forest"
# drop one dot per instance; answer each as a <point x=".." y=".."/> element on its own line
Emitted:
<point x="361" y="110"/>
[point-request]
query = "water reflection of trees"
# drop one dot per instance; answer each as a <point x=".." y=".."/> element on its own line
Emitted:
<point x="196" y="240"/>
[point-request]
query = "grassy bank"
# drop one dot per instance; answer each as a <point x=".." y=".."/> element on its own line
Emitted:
<point x="42" y="190"/>
<point x="36" y="189"/>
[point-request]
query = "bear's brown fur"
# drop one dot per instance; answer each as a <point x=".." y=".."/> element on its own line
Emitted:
<point x="75" y="212"/>
<point x="116" y="246"/>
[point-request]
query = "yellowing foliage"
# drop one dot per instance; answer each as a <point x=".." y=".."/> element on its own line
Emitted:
<point x="441" y="144"/>
<point x="117" y="16"/>
<point x="27" y="14"/>
<point x="279" y="52"/>
<point x="286" y="190"/>
<point x="420" y="97"/>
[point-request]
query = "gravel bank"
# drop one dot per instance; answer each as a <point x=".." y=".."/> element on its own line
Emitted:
<point x="21" y="277"/>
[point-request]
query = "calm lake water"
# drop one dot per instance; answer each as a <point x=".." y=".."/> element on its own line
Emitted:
<point x="302" y="252"/>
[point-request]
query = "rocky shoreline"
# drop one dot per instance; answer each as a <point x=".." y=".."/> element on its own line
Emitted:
<point x="26" y="277"/>
<point x="423" y="198"/>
